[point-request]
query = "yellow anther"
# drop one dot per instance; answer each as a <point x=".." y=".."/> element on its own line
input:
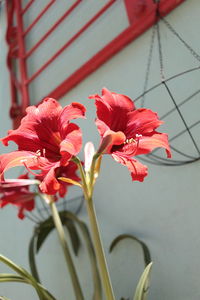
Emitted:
<point x="129" y="141"/>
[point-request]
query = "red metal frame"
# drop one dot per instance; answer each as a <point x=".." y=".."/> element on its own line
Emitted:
<point x="85" y="27"/>
<point x="140" y="13"/>
<point x="59" y="21"/>
<point x="27" y="6"/>
<point x="45" y="9"/>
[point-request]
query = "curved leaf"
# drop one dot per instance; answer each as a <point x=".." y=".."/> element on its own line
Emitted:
<point x="73" y="234"/>
<point x="3" y="298"/>
<point x="47" y="226"/>
<point x="146" y="252"/>
<point x="32" y="263"/>
<point x="16" y="278"/>
<point x="21" y="271"/>
<point x="42" y="235"/>
<point x="143" y="284"/>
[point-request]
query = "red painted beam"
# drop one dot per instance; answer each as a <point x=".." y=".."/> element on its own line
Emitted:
<point x="64" y="16"/>
<point x="84" y="28"/>
<point x="21" y="51"/>
<point x="28" y="5"/>
<point x="11" y="38"/>
<point x="45" y="9"/>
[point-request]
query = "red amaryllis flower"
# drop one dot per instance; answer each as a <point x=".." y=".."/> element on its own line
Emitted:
<point x="126" y="131"/>
<point x="46" y="139"/>
<point x="16" y="192"/>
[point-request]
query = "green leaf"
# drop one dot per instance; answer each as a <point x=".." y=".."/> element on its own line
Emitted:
<point x="75" y="240"/>
<point x="21" y="271"/>
<point x="4" y="277"/>
<point x="15" y="278"/>
<point x="143" y="284"/>
<point x="32" y="262"/>
<point x="42" y="235"/>
<point x="3" y="298"/>
<point x="146" y="252"/>
<point x="45" y="228"/>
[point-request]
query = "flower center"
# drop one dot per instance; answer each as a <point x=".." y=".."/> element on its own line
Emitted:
<point x="56" y="138"/>
<point x="129" y="141"/>
<point x="132" y="140"/>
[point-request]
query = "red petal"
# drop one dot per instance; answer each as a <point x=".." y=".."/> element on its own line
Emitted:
<point x="112" y="109"/>
<point x="24" y="200"/>
<point x="138" y="170"/>
<point x="117" y="100"/>
<point x="141" y="121"/>
<point x="110" y="139"/>
<point x="16" y="158"/>
<point x="72" y="111"/>
<point x="72" y="143"/>
<point x="63" y="190"/>
<point x="12" y="183"/>
<point x="36" y="127"/>
<point x="50" y="184"/>
<point x="47" y="113"/>
<point x="147" y="144"/>
<point x="102" y="127"/>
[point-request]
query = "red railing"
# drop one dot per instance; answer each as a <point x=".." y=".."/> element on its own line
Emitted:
<point x="141" y="15"/>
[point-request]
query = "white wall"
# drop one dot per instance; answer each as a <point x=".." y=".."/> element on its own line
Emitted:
<point x="163" y="211"/>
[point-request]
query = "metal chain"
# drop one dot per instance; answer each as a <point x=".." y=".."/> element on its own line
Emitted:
<point x="192" y="51"/>
<point x="160" y="52"/>
<point x="148" y="65"/>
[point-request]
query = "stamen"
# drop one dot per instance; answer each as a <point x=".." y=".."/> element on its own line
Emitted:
<point x="38" y="153"/>
<point x="129" y="141"/>
<point x="23" y="160"/>
<point x="136" y="141"/>
<point x="44" y="152"/>
<point x="28" y="169"/>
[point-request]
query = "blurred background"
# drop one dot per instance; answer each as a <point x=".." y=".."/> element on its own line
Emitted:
<point x="72" y="49"/>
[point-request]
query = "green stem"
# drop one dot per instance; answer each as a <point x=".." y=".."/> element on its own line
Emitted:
<point x="88" y="190"/>
<point x="70" y="264"/>
<point x="99" y="251"/>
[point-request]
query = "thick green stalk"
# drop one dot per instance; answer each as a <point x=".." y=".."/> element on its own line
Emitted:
<point x="99" y="251"/>
<point x="88" y="190"/>
<point x="70" y="264"/>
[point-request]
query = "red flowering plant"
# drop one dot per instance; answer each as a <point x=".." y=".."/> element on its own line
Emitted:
<point x="48" y="145"/>
<point x="17" y="192"/>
